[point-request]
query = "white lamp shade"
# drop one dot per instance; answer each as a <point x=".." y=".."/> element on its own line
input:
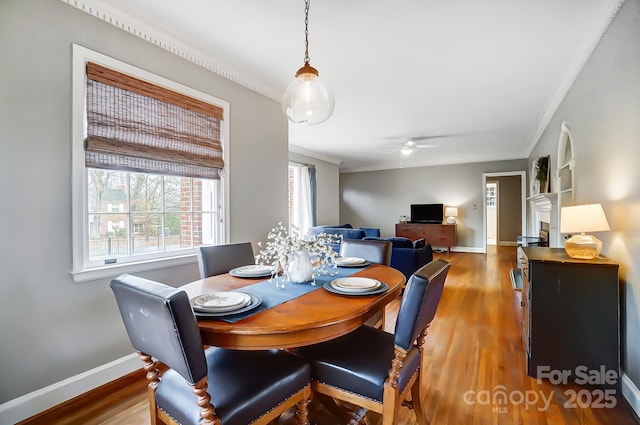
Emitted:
<point x="583" y="218"/>
<point x="307" y="100"/>
<point x="451" y="211"/>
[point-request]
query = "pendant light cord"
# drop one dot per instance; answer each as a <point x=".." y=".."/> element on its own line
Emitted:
<point x="306" y="32"/>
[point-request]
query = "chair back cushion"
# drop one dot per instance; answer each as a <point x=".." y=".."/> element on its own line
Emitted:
<point x="159" y="321"/>
<point x="218" y="259"/>
<point x="322" y="229"/>
<point x="419" y="243"/>
<point x="371" y="231"/>
<point x="420" y="301"/>
<point x="345" y="233"/>
<point x="371" y="250"/>
<point x="399" y="242"/>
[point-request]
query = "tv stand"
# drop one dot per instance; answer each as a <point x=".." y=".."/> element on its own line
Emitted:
<point x="437" y="234"/>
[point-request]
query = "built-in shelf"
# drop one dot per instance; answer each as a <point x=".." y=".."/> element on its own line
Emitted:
<point x="566" y="167"/>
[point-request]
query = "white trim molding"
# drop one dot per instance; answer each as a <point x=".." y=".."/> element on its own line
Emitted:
<point x="608" y="12"/>
<point x="631" y="393"/>
<point x="523" y="206"/>
<point x="468" y="249"/>
<point x="28" y="405"/>
<point x="157" y="38"/>
<point x="314" y="154"/>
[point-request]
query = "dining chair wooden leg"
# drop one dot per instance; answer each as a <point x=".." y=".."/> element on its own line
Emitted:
<point x="302" y="411"/>
<point x="390" y="410"/>
<point x="153" y="377"/>
<point x="416" y="388"/>
<point x="416" y="402"/>
<point x="204" y="402"/>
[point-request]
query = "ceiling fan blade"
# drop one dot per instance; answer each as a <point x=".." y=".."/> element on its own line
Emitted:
<point x="433" y="136"/>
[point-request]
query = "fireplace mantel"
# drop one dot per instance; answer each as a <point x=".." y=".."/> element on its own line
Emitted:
<point x="551" y="196"/>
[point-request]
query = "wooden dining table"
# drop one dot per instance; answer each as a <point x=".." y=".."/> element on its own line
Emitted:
<point x="317" y="316"/>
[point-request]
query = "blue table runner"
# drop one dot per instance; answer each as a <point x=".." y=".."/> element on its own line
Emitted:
<point x="277" y="291"/>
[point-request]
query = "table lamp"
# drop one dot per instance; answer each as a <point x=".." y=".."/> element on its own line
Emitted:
<point x="581" y="219"/>
<point x="451" y="213"/>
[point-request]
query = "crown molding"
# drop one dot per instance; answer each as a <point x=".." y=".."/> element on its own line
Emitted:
<point x="155" y="36"/>
<point x="601" y="25"/>
<point x="313" y="154"/>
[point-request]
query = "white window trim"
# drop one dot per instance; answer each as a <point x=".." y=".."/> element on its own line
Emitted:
<point x="80" y="272"/>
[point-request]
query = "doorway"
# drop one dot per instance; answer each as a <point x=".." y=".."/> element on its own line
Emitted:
<point x="510" y="210"/>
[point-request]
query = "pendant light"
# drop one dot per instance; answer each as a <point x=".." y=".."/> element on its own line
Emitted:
<point x="307" y="100"/>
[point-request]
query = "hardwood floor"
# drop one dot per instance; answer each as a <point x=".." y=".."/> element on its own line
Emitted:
<point x="473" y="354"/>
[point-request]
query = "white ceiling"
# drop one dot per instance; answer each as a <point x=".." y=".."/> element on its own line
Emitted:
<point x="486" y="75"/>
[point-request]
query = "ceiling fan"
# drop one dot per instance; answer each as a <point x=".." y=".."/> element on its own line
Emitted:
<point x="409" y="145"/>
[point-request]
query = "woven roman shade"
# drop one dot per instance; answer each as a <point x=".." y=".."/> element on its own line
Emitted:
<point x="135" y="125"/>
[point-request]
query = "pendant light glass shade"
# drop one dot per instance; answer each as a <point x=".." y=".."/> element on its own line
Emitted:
<point x="307" y="100"/>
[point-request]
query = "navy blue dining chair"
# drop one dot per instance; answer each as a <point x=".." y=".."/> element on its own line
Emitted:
<point x="376" y="370"/>
<point x="218" y="259"/>
<point x="374" y="251"/>
<point x="213" y="386"/>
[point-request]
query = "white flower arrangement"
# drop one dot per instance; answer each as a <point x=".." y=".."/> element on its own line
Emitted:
<point x="282" y="245"/>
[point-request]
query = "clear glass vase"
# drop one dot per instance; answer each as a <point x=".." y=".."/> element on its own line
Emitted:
<point x="300" y="268"/>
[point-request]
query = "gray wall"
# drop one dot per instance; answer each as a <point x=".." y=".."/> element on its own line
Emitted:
<point x="327" y="178"/>
<point x="50" y="327"/>
<point x="379" y="198"/>
<point x="602" y="109"/>
<point x="509" y="208"/>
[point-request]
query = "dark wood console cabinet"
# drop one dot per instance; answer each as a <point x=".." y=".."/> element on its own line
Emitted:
<point x="570" y="313"/>
<point x="435" y="234"/>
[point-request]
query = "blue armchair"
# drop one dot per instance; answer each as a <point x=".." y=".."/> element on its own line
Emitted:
<point x="408" y="256"/>
<point x="346" y="231"/>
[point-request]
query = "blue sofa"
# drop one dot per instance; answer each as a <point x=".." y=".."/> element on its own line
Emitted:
<point x="346" y="231"/>
<point x="408" y="256"/>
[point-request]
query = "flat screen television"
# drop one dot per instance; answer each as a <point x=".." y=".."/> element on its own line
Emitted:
<point x="427" y="213"/>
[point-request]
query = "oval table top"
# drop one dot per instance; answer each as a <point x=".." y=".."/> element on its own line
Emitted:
<point x="308" y="319"/>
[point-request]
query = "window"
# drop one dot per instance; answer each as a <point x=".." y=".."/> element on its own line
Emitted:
<point x="148" y="172"/>
<point x="159" y="214"/>
<point x="491" y="194"/>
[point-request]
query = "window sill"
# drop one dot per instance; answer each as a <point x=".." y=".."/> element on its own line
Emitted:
<point x="118" y="269"/>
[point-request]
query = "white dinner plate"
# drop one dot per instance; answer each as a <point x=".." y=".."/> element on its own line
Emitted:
<point x="355" y="284"/>
<point x="349" y="261"/>
<point x="220" y="301"/>
<point x="252" y="270"/>
<point x="205" y="314"/>
<point x="380" y="290"/>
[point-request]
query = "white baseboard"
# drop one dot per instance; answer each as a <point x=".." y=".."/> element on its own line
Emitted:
<point x="45" y="398"/>
<point x="469" y="249"/>
<point x="631" y="392"/>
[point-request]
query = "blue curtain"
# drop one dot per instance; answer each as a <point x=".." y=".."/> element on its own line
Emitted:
<point x="314" y="196"/>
